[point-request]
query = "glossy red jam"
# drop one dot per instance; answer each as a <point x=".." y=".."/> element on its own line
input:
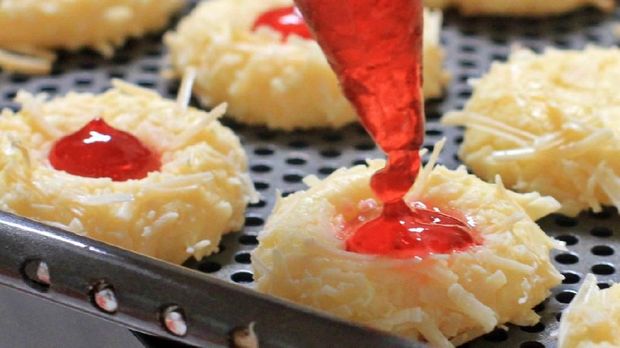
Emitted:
<point x="287" y="20"/>
<point x="399" y="233"/>
<point x="100" y="151"/>
<point x="375" y="48"/>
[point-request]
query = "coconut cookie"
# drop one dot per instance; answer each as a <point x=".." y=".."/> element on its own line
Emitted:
<point x="196" y="188"/>
<point x="593" y="318"/>
<point x="33" y="27"/>
<point x="444" y="299"/>
<point x="548" y="123"/>
<point x="268" y="79"/>
<point x="518" y="7"/>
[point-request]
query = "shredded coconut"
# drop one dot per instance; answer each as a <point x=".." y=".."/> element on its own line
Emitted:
<point x="593" y="317"/>
<point x="185" y="203"/>
<point x="281" y="85"/>
<point x="548" y="123"/>
<point x="37" y="27"/>
<point x="445" y="300"/>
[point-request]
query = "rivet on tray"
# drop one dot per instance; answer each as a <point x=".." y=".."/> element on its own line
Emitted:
<point x="104" y="298"/>
<point x="43" y="273"/>
<point x="36" y="274"/>
<point x="244" y="337"/>
<point x="173" y="320"/>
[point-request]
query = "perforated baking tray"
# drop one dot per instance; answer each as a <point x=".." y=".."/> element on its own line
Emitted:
<point x="280" y="160"/>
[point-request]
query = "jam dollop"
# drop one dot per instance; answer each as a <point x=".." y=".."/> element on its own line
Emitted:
<point x="399" y="233"/>
<point x="375" y="48"/>
<point x="286" y="20"/>
<point x="98" y="150"/>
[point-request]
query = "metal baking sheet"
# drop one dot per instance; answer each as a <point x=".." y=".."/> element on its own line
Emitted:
<point x="280" y="160"/>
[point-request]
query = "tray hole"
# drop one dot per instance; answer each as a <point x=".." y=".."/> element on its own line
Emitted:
<point x="261" y="186"/>
<point x="464" y="78"/>
<point x="602" y="250"/>
<point x="540" y="327"/>
<point x="326" y="170"/>
<point x="260" y="204"/>
<point x="434" y="132"/>
<point x="468" y="48"/>
<point x="120" y="75"/>
<point x="298" y="144"/>
<point x="172" y="89"/>
<point x="263" y="151"/>
<point x="365" y="146"/>
<point x="332" y="137"/>
<point x="497" y="335"/>
<point x="121" y="59"/>
<point x="243" y="258"/>
<point x="88" y="65"/>
<point x="603" y="269"/>
<point x="242" y="277"/>
<point x="359" y="162"/>
<point x="292" y="178"/>
<point x="150" y="68"/>
<point x="287" y="193"/>
<point x="539" y="307"/>
<point x="19" y="78"/>
<point x="209" y="266"/>
<point x="593" y="37"/>
<point x="532" y="344"/>
<point x="10" y="95"/>
<point x="464" y="94"/>
<point x="565" y="221"/>
<point x="147" y="84"/>
<point x="602" y="232"/>
<point x="569" y="239"/>
<point x="35" y="274"/>
<point x="562" y="43"/>
<point x="261" y="168"/>
<point x="330" y="153"/>
<point x="254" y="221"/>
<point x="296" y="161"/>
<point x="57" y="70"/>
<point x="434" y="115"/>
<point x="154" y="52"/>
<point x="567" y="258"/>
<point x="565" y="296"/>
<point x="248" y="239"/>
<point x="603" y="286"/>
<point x="602" y="215"/>
<point x="83" y="81"/>
<point x="220" y="249"/>
<point x="571" y="277"/>
<point x="50" y="89"/>
<point x="464" y="63"/>
<point x="266" y="135"/>
<point x="499" y="56"/>
<point x="360" y="129"/>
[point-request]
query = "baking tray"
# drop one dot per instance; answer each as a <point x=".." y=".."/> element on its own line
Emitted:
<point x="279" y="161"/>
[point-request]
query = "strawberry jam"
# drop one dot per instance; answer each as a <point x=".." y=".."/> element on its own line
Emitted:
<point x="101" y="151"/>
<point x="375" y="48"/>
<point x="286" y="20"/>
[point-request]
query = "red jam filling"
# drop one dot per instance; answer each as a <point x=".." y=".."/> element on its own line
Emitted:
<point x="286" y="20"/>
<point x="406" y="234"/>
<point x="377" y="55"/>
<point x="98" y="150"/>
